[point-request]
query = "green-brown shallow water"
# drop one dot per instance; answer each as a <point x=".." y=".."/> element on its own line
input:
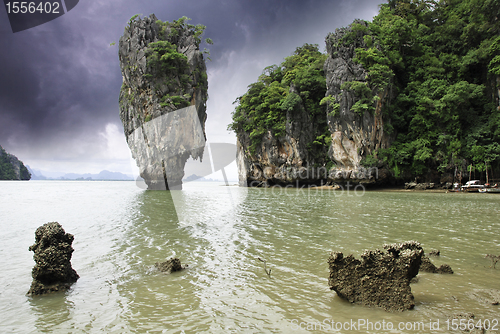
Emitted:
<point x="121" y="231"/>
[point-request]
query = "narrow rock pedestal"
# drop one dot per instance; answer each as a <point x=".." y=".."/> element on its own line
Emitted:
<point x="52" y="271"/>
<point x="380" y="279"/>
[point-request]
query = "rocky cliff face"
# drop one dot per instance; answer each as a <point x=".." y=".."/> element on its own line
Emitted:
<point x="11" y="168"/>
<point x="297" y="157"/>
<point x="163" y="97"/>
<point x="284" y="160"/>
<point x="355" y="135"/>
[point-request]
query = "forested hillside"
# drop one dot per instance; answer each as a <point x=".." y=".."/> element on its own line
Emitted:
<point x="11" y="168"/>
<point x="445" y="59"/>
<point x="299" y="79"/>
<point x="438" y="61"/>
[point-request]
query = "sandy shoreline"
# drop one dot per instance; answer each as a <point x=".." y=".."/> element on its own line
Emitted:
<point x="376" y="189"/>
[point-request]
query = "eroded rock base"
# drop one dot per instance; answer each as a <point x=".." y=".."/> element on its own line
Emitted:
<point x="380" y="278"/>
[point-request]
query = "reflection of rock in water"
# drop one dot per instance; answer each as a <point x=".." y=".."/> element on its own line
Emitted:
<point x="380" y="279"/>
<point x="169" y="266"/>
<point x="52" y="271"/>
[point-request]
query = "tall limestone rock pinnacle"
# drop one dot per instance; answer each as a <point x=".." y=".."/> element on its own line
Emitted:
<point x="163" y="97"/>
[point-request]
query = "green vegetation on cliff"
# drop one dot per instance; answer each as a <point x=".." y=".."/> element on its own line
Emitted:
<point x="444" y="56"/>
<point x="11" y="168"/>
<point x="168" y="70"/>
<point x="163" y="56"/>
<point x="299" y="82"/>
<point x="440" y="61"/>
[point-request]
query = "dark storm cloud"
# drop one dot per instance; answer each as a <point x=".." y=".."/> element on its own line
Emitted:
<point x="53" y="80"/>
<point x="59" y="82"/>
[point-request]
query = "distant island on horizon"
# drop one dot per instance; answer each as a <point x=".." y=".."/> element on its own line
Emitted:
<point x="103" y="175"/>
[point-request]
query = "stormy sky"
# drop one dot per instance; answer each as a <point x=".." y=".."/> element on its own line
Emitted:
<point x="60" y="81"/>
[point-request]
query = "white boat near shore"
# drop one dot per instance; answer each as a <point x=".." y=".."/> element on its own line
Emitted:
<point x="490" y="190"/>
<point x="473" y="186"/>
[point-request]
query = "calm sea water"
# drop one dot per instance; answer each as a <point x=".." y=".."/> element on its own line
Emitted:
<point x="220" y="232"/>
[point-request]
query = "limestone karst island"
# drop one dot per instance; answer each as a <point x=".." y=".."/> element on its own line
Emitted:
<point x="163" y="71"/>
<point x="363" y="155"/>
<point x="411" y="96"/>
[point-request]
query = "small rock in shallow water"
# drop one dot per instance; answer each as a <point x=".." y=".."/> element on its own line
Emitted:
<point x="52" y="271"/>
<point x="428" y="267"/>
<point x="169" y="266"/>
<point x="434" y="252"/>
